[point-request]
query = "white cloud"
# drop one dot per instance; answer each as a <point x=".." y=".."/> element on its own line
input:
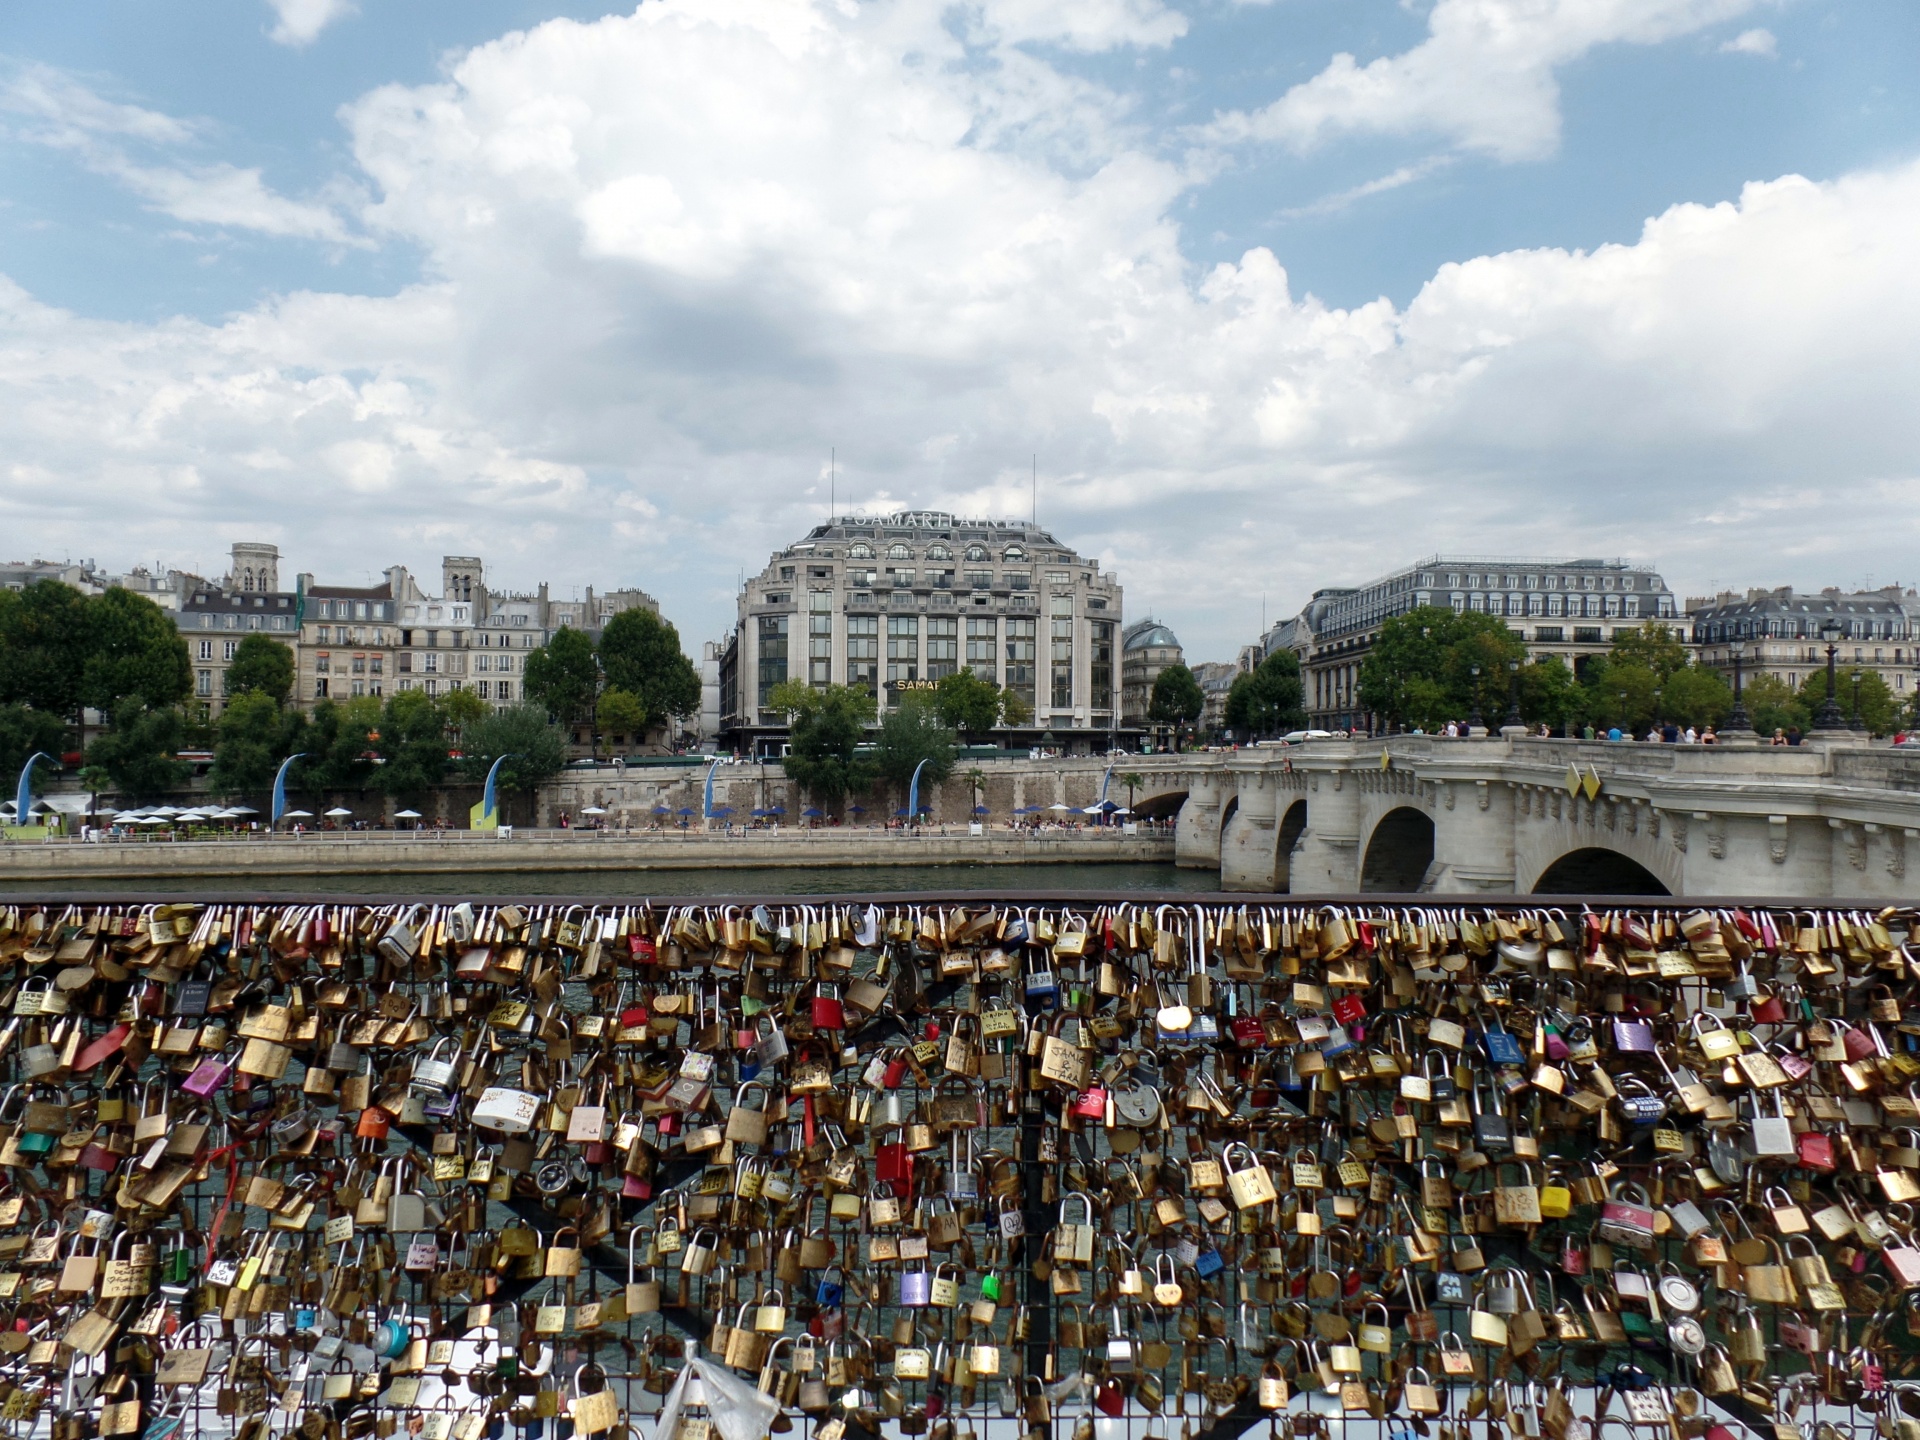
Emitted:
<point x="679" y="254"/>
<point x="1393" y="180"/>
<point x="1483" y="78"/>
<point x="301" y="21"/>
<point x="52" y="108"/>
<point x="1753" y="42"/>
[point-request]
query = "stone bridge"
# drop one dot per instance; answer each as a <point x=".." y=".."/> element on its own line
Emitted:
<point x="1511" y="814"/>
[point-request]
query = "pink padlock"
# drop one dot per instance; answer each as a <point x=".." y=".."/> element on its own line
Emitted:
<point x="208" y="1076"/>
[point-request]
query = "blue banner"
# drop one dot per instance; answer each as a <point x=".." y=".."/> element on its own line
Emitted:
<point x="280" y="787"/>
<point x="489" y="809"/>
<point x="706" y="803"/>
<point x="913" y="794"/>
<point x="23" y="797"/>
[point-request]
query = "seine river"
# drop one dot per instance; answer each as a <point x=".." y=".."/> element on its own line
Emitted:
<point x="720" y="880"/>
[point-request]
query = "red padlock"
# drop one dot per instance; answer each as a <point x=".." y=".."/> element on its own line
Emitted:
<point x="1248" y="1032"/>
<point x="1091" y="1104"/>
<point x="1349" y="1008"/>
<point x="1573" y="1256"/>
<point x="1111" y="1398"/>
<point x="892" y="1164"/>
<point x="828" y="1012"/>
<point x="896" y="1071"/>
<point x="1816" y="1150"/>
<point x="373" y="1124"/>
<point x="640" y="949"/>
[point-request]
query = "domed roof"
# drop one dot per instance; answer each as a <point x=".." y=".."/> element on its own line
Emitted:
<point x="1150" y="634"/>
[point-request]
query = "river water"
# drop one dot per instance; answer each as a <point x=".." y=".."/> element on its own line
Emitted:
<point x="645" y="884"/>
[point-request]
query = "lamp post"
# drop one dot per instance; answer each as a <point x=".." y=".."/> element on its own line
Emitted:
<point x="1474" y="721"/>
<point x="1829" y="717"/>
<point x="1857" y="722"/>
<point x="1737" y="718"/>
<point x="1513" y="693"/>
<point x="1623" y="715"/>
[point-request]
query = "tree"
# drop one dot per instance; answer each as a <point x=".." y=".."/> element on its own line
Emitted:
<point x="908" y="735"/>
<point x="640" y="654"/>
<point x="1773" y="704"/>
<point x="341" y="745"/>
<point x="43" y="647"/>
<point x="967" y="703"/>
<point x="1268" y="699"/>
<point x="621" y="712"/>
<point x="1015" y="709"/>
<point x="1549" y="693"/>
<point x="976" y="781"/>
<point x="1694" y="695"/>
<point x="1877" y="709"/>
<point x="413" y="743"/>
<point x="1653" y="646"/>
<point x="1177" y="699"/>
<point x="138" y="751"/>
<point x="826" y="727"/>
<point x="255" y="735"/>
<point x="563" y="676"/>
<point x="134" y="652"/>
<point x="1419" y="670"/>
<point x="261" y="665"/>
<point x="463" y="710"/>
<point x="1622" y="693"/>
<point x="24" y="731"/>
<point x="536" y="748"/>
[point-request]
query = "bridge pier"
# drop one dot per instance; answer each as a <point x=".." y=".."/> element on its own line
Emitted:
<point x="1327" y="858"/>
<point x="1196" y="836"/>
<point x="1472" y="839"/>
<point x="1249" y="841"/>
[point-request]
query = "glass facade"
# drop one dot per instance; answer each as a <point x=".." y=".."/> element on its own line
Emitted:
<point x="1021" y="634"/>
<point x="903" y="648"/>
<point x="773" y="654"/>
<point x="863" y="653"/>
<point x="1100" y="674"/>
<point x="943" y="646"/>
<point x="983" y="647"/>
<point x="820" y="638"/>
<point x="1061" y="609"/>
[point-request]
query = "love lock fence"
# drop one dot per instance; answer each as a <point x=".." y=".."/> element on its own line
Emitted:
<point x="943" y="1167"/>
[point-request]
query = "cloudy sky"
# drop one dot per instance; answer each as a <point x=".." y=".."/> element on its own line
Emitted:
<point x="1279" y="294"/>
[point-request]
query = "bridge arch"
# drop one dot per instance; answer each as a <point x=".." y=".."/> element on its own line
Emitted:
<point x="1159" y="807"/>
<point x="1597" y="870"/>
<point x="1399" y="852"/>
<point x="1293" y="824"/>
<point x="1228" y="811"/>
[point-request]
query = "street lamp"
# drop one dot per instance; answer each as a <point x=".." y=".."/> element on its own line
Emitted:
<point x="1738" y="719"/>
<point x="1513" y="693"/>
<point x="1623" y="715"/>
<point x="1474" y="721"/>
<point x="1829" y="716"/>
<point x="1856" y="700"/>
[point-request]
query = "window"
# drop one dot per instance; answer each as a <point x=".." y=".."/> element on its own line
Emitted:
<point x="900" y="577"/>
<point x="1059" y="577"/>
<point x="1586" y="634"/>
<point x="773" y="654"/>
<point x="1062" y="651"/>
<point x="1014" y="553"/>
<point x="977" y="552"/>
<point x="939" y="552"/>
<point x="860" y="551"/>
<point x="979" y="579"/>
<point x="1020" y="656"/>
<point x="863" y="652"/>
<point x="320" y="688"/>
<point x="482" y="663"/>
<point x="983" y="646"/>
<point x="206" y="649"/>
<point x="1018" y="579"/>
<point x="943" y="646"/>
<point x="483" y="688"/>
<point x="903" y="648"/>
<point x="504" y="664"/>
<point x="1100" y="681"/>
<point x="360" y="610"/>
<point x="899" y="552"/>
<point x="432" y="686"/>
<point x="404" y="663"/>
<point x="1549" y="633"/>
<point x="359" y="664"/>
<point x="203" y="683"/>
<point x="504" y="689"/>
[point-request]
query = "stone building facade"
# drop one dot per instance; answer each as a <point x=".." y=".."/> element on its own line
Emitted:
<point x="1785" y="634"/>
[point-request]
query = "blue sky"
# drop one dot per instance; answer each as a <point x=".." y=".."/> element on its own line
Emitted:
<point x="379" y="281"/>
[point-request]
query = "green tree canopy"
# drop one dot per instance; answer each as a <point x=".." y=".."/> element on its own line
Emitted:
<point x="966" y="703"/>
<point x="413" y="742"/>
<point x="1878" y="710"/>
<point x="1420" y="668"/>
<point x="1653" y="645"/>
<point x="138" y="751"/>
<point x="536" y="748"/>
<point x="826" y="728"/>
<point x="261" y="665"/>
<point x="463" y="709"/>
<point x="621" y="712"/>
<point x="563" y="676"/>
<point x="640" y="653"/>
<point x="340" y="745"/>
<point x="1550" y="694"/>
<point x="134" y="652"/>
<point x="1177" y="699"/>
<point x="909" y="734"/>
<point x="1773" y="705"/>
<point x="1696" y="696"/>
<point x="44" y="638"/>
<point x="253" y="736"/>
<point x="24" y="731"/>
<point x="1267" y="700"/>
